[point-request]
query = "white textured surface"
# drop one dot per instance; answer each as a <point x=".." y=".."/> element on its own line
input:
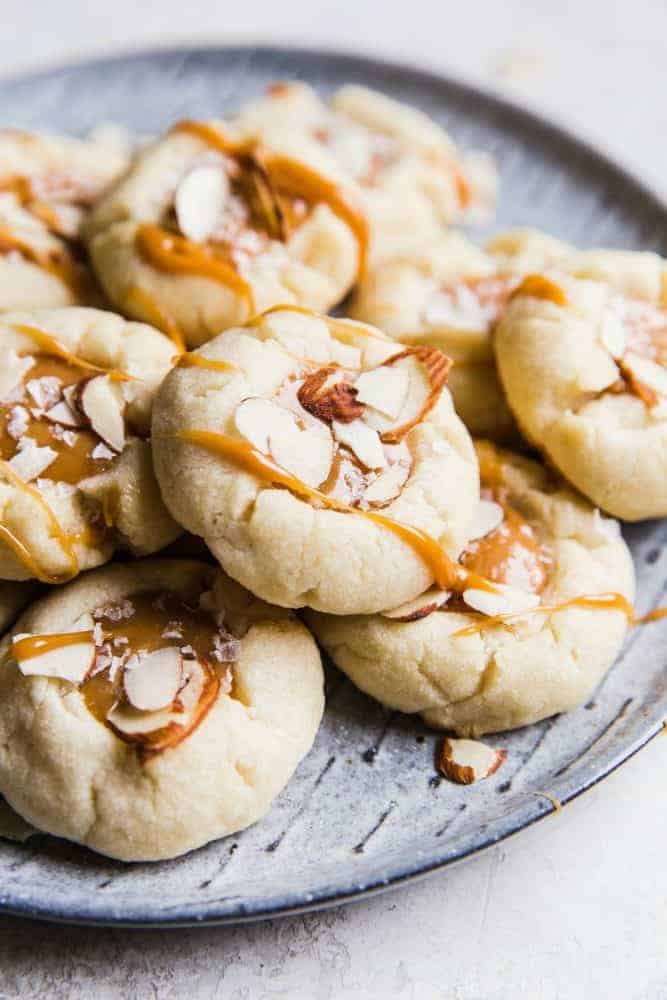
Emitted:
<point x="576" y="907"/>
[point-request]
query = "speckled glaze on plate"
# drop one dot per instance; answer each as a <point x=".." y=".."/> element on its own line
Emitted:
<point x="365" y="810"/>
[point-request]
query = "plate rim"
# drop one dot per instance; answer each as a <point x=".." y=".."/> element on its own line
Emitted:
<point x="528" y="813"/>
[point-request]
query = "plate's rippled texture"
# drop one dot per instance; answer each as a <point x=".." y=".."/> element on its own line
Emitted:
<point x="365" y="808"/>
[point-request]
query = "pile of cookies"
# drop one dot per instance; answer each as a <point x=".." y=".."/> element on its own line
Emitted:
<point x="173" y="382"/>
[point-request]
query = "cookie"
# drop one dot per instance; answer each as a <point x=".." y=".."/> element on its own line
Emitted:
<point x="413" y="179"/>
<point x="76" y="473"/>
<point x="322" y="462"/>
<point x="147" y="709"/>
<point x="207" y="229"/>
<point x="47" y="185"/>
<point x="451" y="294"/>
<point x="582" y="359"/>
<point x="563" y="581"/>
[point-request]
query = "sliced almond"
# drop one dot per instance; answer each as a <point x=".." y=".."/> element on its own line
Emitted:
<point x="45" y="391"/>
<point x="12" y="372"/>
<point x="327" y="395"/>
<point x="62" y="413"/>
<point x="363" y="441"/>
<point x="67" y="663"/>
<point x="467" y="761"/>
<point x="31" y="461"/>
<point x="200" y="201"/>
<point x="131" y="722"/>
<point x="346" y="355"/>
<point x="614" y="335"/>
<point x="427" y="369"/>
<point x="154" y="679"/>
<point x="646" y="378"/>
<point x="306" y="454"/>
<point x="503" y="600"/>
<point x="256" y="417"/>
<point x="489" y="515"/>
<point x="384" y="389"/>
<point x="193" y="685"/>
<point x="101" y="402"/>
<point x="388" y="484"/>
<point x="422" y="606"/>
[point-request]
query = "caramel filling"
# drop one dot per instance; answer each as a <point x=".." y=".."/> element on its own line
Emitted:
<point x="191" y="360"/>
<point x="74" y="446"/>
<point x="130" y="629"/>
<point x="512" y="554"/>
<point x="278" y="192"/>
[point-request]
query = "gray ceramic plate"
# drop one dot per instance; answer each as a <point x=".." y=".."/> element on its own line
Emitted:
<point x="365" y="810"/>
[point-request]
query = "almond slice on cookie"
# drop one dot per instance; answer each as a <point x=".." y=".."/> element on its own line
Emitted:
<point x="200" y="201"/>
<point x="420" y="607"/>
<point x="426" y="369"/>
<point x="152" y="681"/>
<point x="101" y="402"/>
<point x="363" y="441"/>
<point x="68" y="663"/>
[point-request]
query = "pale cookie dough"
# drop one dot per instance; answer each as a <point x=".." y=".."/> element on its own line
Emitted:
<point x="298" y="400"/>
<point x="176" y="719"/>
<point x="14" y="597"/>
<point x="47" y="185"/>
<point x="451" y="294"/>
<point x="76" y="473"/>
<point x="207" y="229"/>
<point x="414" y="180"/>
<point x="582" y="360"/>
<point x="546" y="544"/>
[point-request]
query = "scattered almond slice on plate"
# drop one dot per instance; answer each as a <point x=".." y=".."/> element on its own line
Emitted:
<point x="101" y="402"/>
<point x="200" y="201"/>
<point x="422" y="606"/>
<point x="12" y="372"/>
<point x="489" y="515"/>
<point x="503" y="600"/>
<point x="67" y="663"/>
<point x="153" y="681"/>
<point x="388" y="484"/>
<point x="363" y="441"/>
<point x="384" y="389"/>
<point x="466" y="761"/>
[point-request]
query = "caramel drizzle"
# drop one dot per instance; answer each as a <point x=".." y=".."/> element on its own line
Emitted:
<point x="337" y="327"/>
<point x="21" y="188"/>
<point x="538" y="287"/>
<point x="448" y="574"/>
<point x="138" y="302"/>
<point x="292" y="178"/>
<point x="189" y="359"/>
<point x="18" y="547"/>
<point x="34" y="645"/>
<point x="174" y="254"/>
<point x="50" y="345"/>
<point x="64" y="268"/>
<point x="609" y="602"/>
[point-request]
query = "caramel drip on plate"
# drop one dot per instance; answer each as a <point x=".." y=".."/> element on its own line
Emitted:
<point x="174" y="254"/>
<point x="50" y="345"/>
<point x="62" y="267"/>
<point x="447" y="573"/>
<point x="19" y="548"/>
<point x="292" y="179"/>
<point x="139" y="302"/>
<point x="34" y="645"/>
<point x="604" y="602"/>
<point x="191" y="360"/>
<point x="536" y="286"/>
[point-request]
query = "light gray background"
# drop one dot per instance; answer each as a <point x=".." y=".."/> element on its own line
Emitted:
<point x="576" y="907"/>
